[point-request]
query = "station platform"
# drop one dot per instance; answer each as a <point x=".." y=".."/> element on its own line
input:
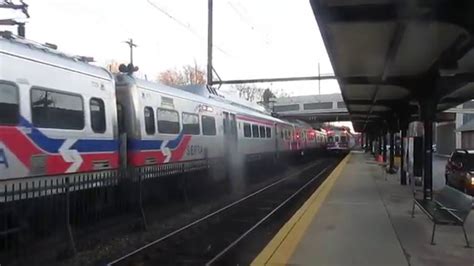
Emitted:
<point x="359" y="217"/>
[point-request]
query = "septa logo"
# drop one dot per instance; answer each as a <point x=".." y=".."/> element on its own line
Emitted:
<point x="3" y="158"/>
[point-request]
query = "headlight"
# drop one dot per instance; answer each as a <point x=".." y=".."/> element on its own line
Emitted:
<point x="470" y="177"/>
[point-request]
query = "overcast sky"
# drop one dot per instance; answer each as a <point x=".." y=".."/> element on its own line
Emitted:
<point x="253" y="39"/>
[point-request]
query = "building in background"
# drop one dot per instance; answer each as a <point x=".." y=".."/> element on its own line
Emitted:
<point x="465" y="126"/>
<point x="458" y="133"/>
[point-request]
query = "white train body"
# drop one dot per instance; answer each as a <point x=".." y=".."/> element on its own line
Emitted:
<point x="46" y="119"/>
<point x="60" y="115"/>
<point x="339" y="139"/>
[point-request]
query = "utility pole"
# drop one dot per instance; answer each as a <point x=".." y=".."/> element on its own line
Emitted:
<point x="132" y="45"/>
<point x="209" y="41"/>
<point x="195" y="72"/>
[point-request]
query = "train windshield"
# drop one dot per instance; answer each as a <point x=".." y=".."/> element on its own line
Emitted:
<point x="330" y="139"/>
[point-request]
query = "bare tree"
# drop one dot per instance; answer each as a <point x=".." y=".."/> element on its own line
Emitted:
<point x="250" y="93"/>
<point x="113" y="66"/>
<point x="188" y="75"/>
<point x="280" y="93"/>
<point x="267" y="96"/>
<point x="253" y="93"/>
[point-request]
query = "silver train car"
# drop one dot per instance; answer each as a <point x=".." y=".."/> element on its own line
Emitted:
<point x="61" y="115"/>
<point x="340" y="140"/>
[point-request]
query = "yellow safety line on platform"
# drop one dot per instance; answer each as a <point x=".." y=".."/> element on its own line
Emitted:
<point x="280" y="249"/>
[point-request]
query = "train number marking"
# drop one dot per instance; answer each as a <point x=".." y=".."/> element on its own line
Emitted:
<point x="194" y="150"/>
<point x="3" y="158"/>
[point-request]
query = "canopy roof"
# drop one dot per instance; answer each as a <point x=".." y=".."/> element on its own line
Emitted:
<point x="388" y="56"/>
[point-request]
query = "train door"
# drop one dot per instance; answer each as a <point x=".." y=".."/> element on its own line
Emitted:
<point x="231" y="153"/>
<point x="276" y="136"/>
<point x="122" y="136"/>
<point x="230" y="134"/>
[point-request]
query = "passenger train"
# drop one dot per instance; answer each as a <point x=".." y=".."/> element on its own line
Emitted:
<point x="59" y="115"/>
<point x="339" y="139"/>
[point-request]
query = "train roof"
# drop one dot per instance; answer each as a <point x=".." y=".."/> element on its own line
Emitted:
<point x="12" y="45"/>
<point x="299" y="123"/>
<point x="210" y="100"/>
<point x="222" y="96"/>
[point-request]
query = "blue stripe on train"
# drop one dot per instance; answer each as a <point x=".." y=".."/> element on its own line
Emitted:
<point x="143" y="145"/>
<point x="52" y="145"/>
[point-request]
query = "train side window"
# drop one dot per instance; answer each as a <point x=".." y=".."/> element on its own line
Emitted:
<point x="191" y="124"/>
<point x="52" y="109"/>
<point x="247" y="130"/>
<point x="9" y="104"/>
<point x="149" y="121"/>
<point x="343" y="139"/>
<point x="255" y="131"/>
<point x="269" y="132"/>
<point x="168" y="121"/>
<point x="97" y="109"/>
<point x="262" y="131"/>
<point x="208" y="125"/>
<point x="281" y="134"/>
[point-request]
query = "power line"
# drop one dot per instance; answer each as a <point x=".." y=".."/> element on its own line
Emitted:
<point x="248" y="21"/>
<point x="184" y="25"/>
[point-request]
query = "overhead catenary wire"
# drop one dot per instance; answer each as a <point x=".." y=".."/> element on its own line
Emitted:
<point x="240" y="13"/>
<point x="184" y="25"/>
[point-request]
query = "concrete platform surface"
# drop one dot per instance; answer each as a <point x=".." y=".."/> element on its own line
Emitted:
<point x="365" y="220"/>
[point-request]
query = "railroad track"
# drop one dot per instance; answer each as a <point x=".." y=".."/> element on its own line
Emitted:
<point x="208" y="239"/>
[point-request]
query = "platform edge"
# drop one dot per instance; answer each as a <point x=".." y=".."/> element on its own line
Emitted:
<point x="280" y="249"/>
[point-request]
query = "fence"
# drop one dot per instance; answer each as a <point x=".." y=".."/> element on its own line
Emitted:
<point x="51" y="208"/>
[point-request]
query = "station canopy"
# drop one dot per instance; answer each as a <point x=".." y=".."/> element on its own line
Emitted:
<point x="389" y="56"/>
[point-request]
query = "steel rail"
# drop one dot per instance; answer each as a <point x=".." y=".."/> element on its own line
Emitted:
<point x="230" y="246"/>
<point x="136" y="251"/>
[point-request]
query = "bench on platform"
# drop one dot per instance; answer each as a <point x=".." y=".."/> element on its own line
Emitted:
<point x="448" y="207"/>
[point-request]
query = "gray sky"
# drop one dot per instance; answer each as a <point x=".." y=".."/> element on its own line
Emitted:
<point x="253" y="39"/>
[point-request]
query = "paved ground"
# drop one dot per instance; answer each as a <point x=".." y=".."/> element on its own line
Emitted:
<point x="352" y="226"/>
<point x="365" y="220"/>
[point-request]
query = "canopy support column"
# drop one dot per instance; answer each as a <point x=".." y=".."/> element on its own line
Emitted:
<point x="428" y="111"/>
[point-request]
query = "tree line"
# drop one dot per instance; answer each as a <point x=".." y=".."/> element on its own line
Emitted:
<point x="196" y="75"/>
